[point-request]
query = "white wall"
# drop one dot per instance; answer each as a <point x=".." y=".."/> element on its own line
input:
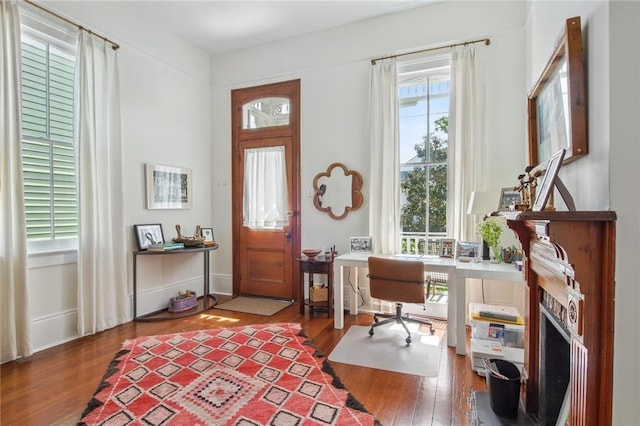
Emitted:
<point x="170" y="117"/>
<point x="624" y="175"/>
<point x="166" y="110"/>
<point x="334" y="70"/>
<point x="608" y="176"/>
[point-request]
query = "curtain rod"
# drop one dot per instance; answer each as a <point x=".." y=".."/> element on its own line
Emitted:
<point x="486" y="41"/>
<point x="114" y="46"/>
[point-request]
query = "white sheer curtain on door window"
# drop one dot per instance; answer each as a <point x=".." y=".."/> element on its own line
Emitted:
<point x="464" y="140"/>
<point x="15" y="330"/>
<point x="384" y="210"/>
<point x="103" y="299"/>
<point x="265" y="202"/>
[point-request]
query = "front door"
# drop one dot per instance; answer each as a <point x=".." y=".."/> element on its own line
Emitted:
<point x="266" y="224"/>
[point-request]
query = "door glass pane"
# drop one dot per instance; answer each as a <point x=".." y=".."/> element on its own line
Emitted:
<point x="265" y="200"/>
<point x="265" y="112"/>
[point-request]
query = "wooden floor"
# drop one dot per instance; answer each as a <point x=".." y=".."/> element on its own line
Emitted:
<point x="53" y="386"/>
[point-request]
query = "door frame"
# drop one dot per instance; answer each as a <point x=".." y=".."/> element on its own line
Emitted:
<point x="291" y="90"/>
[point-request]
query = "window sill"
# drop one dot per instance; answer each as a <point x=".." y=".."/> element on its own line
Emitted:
<point x="52" y="257"/>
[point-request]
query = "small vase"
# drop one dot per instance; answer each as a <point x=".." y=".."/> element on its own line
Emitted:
<point x="494" y="254"/>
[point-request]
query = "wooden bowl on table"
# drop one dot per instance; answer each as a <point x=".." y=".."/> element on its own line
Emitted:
<point x="311" y="253"/>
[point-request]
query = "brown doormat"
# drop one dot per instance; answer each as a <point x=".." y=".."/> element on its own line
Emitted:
<point x="254" y="305"/>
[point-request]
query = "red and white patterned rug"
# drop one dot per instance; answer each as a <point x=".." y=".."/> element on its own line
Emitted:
<point x="254" y="375"/>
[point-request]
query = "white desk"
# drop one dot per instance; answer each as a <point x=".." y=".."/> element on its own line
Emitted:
<point x="458" y="273"/>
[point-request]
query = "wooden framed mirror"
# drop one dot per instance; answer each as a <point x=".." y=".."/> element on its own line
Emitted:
<point x="557" y="102"/>
<point x="338" y="191"/>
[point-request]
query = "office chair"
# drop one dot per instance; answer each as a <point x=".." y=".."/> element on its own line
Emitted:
<point x="397" y="281"/>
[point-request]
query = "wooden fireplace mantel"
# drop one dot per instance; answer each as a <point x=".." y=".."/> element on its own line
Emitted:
<point x="570" y="259"/>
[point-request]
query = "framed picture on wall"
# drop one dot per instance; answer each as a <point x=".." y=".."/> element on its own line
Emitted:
<point x="360" y="244"/>
<point x="168" y="187"/>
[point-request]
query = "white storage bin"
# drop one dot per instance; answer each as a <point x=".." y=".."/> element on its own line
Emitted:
<point x="483" y="348"/>
<point x="508" y="334"/>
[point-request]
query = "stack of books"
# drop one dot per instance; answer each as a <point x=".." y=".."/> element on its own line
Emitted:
<point x="165" y="246"/>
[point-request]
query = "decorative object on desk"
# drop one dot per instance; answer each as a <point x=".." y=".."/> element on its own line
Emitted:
<point x="184" y="301"/>
<point x="511" y="254"/>
<point x="550" y="180"/>
<point x="490" y="230"/>
<point x="509" y="199"/>
<point x="147" y="235"/>
<point x="168" y="187"/>
<point x="189" y="241"/>
<point x="256" y="374"/>
<point x="338" y="193"/>
<point x="311" y="253"/>
<point x="507" y="255"/>
<point x="468" y="251"/>
<point x="447" y="247"/>
<point x="360" y="244"/>
<point x="557" y="101"/>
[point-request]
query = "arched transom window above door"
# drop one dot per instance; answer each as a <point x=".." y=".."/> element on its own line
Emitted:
<point x="265" y="112"/>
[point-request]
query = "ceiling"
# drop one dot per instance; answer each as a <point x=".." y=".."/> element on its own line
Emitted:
<point x="220" y="26"/>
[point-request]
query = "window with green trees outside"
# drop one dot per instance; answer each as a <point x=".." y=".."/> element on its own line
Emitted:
<point x="424" y="125"/>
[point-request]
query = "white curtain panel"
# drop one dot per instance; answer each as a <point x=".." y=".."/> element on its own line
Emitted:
<point x="463" y="141"/>
<point x="384" y="189"/>
<point x="15" y="329"/>
<point x="265" y="200"/>
<point x="103" y="300"/>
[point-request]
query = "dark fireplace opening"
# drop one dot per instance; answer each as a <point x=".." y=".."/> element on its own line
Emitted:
<point x="555" y="358"/>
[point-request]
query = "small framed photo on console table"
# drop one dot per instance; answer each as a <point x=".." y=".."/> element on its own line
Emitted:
<point x="147" y="235"/>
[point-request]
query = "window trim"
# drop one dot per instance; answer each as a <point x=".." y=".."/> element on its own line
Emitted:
<point x="38" y="28"/>
<point x="411" y="73"/>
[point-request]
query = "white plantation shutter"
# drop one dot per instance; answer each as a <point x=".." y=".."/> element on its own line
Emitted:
<point x="48" y="139"/>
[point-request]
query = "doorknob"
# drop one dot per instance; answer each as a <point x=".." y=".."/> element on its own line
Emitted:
<point x="287" y="235"/>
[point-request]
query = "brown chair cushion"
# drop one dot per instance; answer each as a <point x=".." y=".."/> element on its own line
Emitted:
<point x="396" y="280"/>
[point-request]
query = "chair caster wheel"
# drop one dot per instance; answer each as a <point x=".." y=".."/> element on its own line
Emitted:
<point x="408" y="340"/>
<point x="371" y="331"/>
<point x="376" y="320"/>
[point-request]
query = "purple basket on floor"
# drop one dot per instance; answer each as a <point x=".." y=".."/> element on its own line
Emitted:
<point x="181" y="304"/>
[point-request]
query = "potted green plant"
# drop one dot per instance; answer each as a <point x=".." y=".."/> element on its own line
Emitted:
<point x="490" y="230"/>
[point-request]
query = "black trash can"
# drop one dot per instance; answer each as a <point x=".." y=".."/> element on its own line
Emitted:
<point x="503" y="385"/>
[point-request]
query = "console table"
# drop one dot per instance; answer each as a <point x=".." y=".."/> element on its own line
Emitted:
<point x="205" y="294"/>
<point x="458" y="273"/>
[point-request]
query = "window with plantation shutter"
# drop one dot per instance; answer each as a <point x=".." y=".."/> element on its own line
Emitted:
<point x="48" y="138"/>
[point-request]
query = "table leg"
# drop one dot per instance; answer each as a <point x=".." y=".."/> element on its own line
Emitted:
<point x="451" y="308"/>
<point x="353" y="293"/>
<point x="205" y="301"/>
<point x="338" y="296"/>
<point x="135" y="286"/>
<point x="460" y="323"/>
